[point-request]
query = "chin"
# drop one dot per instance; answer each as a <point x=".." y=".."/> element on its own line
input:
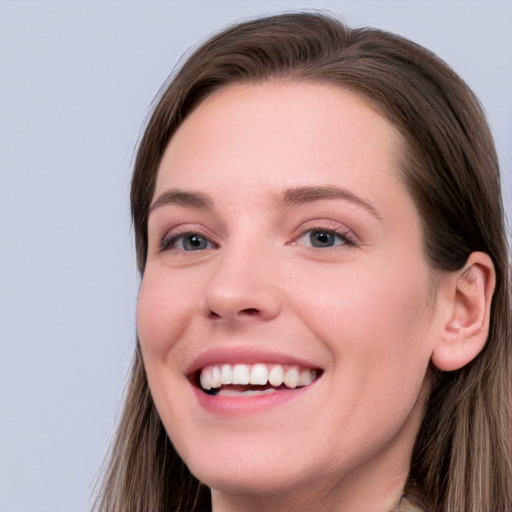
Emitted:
<point x="250" y="483"/>
<point x="240" y="473"/>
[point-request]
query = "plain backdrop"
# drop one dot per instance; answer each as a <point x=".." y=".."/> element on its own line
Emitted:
<point x="76" y="81"/>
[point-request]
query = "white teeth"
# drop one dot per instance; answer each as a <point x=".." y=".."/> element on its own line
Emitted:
<point x="206" y="378"/>
<point x="216" y="377"/>
<point x="259" y="374"/>
<point x="291" y="377"/>
<point x="226" y="374"/>
<point x="241" y="374"/>
<point x="276" y="375"/>
<point x="306" y="377"/>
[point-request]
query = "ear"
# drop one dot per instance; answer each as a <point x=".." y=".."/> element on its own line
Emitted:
<point x="466" y="325"/>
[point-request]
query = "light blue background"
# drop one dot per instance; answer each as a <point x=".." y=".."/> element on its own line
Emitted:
<point x="76" y="80"/>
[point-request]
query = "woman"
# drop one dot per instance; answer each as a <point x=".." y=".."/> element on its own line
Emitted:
<point x="324" y="318"/>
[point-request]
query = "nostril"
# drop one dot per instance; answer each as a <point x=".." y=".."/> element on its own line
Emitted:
<point x="248" y="312"/>
<point x="243" y="313"/>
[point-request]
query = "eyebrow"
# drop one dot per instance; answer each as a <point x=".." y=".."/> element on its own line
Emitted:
<point x="182" y="198"/>
<point x="291" y="197"/>
<point x="308" y="194"/>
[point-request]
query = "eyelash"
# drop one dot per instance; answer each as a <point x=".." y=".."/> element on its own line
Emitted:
<point x="169" y="241"/>
<point x="346" y="239"/>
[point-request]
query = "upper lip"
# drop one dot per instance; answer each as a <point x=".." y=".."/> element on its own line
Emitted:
<point x="245" y="355"/>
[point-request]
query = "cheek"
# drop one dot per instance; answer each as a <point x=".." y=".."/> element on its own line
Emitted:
<point x="163" y="312"/>
<point x="371" y="318"/>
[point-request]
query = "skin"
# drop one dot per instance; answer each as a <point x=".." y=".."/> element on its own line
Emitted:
<point x="363" y="310"/>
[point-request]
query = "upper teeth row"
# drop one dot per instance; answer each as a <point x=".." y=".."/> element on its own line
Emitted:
<point x="215" y="376"/>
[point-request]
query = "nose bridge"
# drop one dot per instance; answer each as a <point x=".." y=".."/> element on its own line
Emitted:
<point x="242" y="284"/>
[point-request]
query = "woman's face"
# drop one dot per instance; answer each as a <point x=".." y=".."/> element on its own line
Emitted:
<point x="283" y="245"/>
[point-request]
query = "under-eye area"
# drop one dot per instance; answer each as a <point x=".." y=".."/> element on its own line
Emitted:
<point x="252" y="379"/>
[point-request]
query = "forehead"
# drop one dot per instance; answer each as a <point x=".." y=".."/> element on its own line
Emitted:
<point x="266" y="137"/>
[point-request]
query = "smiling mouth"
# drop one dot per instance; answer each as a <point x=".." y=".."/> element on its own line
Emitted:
<point x="253" y="379"/>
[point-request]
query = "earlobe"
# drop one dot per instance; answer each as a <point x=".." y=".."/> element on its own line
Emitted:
<point x="465" y="330"/>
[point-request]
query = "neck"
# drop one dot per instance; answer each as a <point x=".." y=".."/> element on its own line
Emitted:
<point x="350" y="495"/>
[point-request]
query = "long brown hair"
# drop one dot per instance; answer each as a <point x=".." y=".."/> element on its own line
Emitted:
<point x="462" y="458"/>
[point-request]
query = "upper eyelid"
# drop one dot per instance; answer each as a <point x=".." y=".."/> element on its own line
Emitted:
<point x="333" y="226"/>
<point x="336" y="232"/>
<point x="188" y="228"/>
<point x="175" y="233"/>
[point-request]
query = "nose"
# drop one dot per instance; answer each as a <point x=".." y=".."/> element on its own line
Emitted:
<point x="242" y="287"/>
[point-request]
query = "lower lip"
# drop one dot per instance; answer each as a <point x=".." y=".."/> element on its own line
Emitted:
<point x="231" y="405"/>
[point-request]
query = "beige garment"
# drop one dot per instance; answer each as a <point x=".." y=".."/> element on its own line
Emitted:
<point x="407" y="503"/>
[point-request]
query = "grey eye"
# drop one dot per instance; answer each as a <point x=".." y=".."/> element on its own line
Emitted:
<point x="321" y="238"/>
<point x="187" y="242"/>
<point x="192" y="242"/>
